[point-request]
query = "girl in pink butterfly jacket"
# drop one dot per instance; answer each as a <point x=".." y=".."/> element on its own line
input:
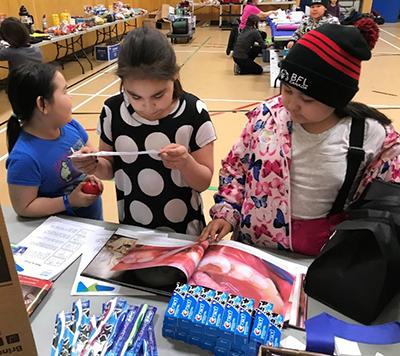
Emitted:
<point x="279" y="182"/>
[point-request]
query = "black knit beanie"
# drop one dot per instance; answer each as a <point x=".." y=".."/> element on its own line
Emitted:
<point x="325" y="63"/>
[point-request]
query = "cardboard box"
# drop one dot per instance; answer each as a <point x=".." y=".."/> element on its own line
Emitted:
<point x="159" y="19"/>
<point x="150" y="20"/>
<point x="163" y="24"/>
<point x="15" y="330"/>
<point x="166" y="11"/>
<point x="105" y="52"/>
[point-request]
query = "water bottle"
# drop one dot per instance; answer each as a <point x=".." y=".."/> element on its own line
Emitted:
<point x="25" y="18"/>
<point x="24" y="15"/>
<point x="44" y="23"/>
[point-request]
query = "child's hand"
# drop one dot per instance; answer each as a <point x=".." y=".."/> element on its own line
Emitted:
<point x="174" y="156"/>
<point x="86" y="165"/>
<point x="215" y="230"/>
<point x="79" y="199"/>
<point x="290" y="44"/>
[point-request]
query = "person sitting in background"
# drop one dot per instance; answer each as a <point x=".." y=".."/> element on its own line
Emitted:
<point x="334" y="9"/>
<point x="248" y="45"/>
<point x="318" y="17"/>
<point x="19" y="51"/>
<point x="252" y="9"/>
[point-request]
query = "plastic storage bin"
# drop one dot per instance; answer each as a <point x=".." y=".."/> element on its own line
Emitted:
<point x="389" y="9"/>
<point x="106" y="53"/>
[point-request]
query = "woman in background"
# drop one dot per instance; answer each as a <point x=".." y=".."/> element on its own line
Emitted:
<point x="252" y="9"/>
<point x="248" y="45"/>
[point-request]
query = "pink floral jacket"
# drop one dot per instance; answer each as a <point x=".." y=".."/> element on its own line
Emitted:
<point x="254" y="187"/>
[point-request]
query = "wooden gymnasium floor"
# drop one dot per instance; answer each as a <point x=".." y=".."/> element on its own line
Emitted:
<point x="208" y="73"/>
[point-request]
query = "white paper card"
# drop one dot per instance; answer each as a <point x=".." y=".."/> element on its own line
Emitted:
<point x="113" y="153"/>
<point x="52" y="247"/>
<point x="345" y="347"/>
<point x="290" y="342"/>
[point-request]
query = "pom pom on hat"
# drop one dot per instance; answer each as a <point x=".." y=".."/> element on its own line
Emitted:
<point x="369" y="29"/>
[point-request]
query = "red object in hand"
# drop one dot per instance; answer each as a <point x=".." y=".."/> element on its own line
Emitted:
<point x="91" y="188"/>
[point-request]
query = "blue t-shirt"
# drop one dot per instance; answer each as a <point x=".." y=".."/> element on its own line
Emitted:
<point x="42" y="163"/>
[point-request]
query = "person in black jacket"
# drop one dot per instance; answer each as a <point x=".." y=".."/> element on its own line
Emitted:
<point x="18" y="50"/>
<point x="248" y="45"/>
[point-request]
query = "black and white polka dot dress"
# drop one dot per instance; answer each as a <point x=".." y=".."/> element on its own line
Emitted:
<point x="148" y="193"/>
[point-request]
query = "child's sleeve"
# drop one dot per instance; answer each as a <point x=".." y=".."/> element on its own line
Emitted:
<point x="259" y="39"/>
<point x="203" y="128"/>
<point x="104" y="126"/>
<point x="299" y="32"/>
<point x="232" y="179"/>
<point x="23" y="170"/>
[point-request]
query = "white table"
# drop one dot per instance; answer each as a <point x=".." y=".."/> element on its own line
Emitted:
<point x="59" y="299"/>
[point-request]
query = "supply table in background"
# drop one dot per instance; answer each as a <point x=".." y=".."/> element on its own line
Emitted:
<point x="73" y="43"/>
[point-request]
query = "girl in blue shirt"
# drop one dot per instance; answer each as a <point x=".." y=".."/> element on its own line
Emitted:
<point x="41" y="178"/>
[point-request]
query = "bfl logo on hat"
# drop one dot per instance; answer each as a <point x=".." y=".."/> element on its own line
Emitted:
<point x="325" y="63"/>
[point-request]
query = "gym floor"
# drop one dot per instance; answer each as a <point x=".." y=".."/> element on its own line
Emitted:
<point x="207" y="72"/>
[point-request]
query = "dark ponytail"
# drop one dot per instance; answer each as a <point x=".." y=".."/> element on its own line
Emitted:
<point x="25" y="84"/>
<point x="13" y="131"/>
<point x="361" y="111"/>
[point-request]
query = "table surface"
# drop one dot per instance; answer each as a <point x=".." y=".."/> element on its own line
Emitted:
<point x="60" y="299"/>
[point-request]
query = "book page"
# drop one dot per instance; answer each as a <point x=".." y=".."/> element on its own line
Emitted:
<point x="52" y="247"/>
<point x="147" y="262"/>
<point x="90" y="286"/>
<point x="240" y="269"/>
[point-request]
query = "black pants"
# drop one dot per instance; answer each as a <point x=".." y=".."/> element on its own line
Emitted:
<point x="248" y="65"/>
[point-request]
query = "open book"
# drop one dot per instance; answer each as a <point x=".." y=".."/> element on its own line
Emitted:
<point x="156" y="264"/>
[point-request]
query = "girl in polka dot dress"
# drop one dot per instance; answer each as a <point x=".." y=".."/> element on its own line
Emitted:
<point x="152" y="112"/>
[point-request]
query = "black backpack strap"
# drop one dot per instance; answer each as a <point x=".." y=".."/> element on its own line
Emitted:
<point x="355" y="155"/>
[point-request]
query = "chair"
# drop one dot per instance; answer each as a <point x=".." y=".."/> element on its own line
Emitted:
<point x="347" y="6"/>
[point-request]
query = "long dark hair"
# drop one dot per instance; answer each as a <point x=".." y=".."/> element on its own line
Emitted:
<point x="146" y="54"/>
<point x="358" y="110"/>
<point x="25" y="84"/>
<point x="252" y="21"/>
<point x="14" y="32"/>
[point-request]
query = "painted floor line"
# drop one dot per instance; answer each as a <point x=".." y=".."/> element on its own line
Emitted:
<point x="85" y="94"/>
<point x="188" y="58"/>
<point x="389" y="33"/>
<point x="92" y="79"/>
<point x="92" y="97"/>
<point x="2" y="158"/>
<point x="390" y="44"/>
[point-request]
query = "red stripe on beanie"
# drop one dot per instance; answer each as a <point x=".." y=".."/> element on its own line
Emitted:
<point x="340" y="57"/>
<point x="335" y="46"/>
<point x="329" y="60"/>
